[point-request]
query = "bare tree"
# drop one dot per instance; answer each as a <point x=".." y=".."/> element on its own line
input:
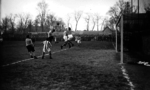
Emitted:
<point x="12" y="19"/>
<point x="23" y="22"/>
<point x="87" y="20"/>
<point x="30" y="24"/>
<point x="120" y="7"/>
<point x="36" y="22"/>
<point x="77" y="16"/>
<point x="5" y="23"/>
<point x="98" y="17"/>
<point x="93" y="21"/>
<point x="60" y="25"/>
<point x="42" y="9"/>
<point x="114" y="15"/>
<point x="68" y="20"/>
<point x="50" y="20"/>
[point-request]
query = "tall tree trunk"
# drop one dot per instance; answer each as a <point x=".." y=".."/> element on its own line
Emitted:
<point x="76" y="26"/>
<point x="97" y="26"/>
<point x="42" y="27"/>
<point x="93" y="27"/>
<point x="88" y="26"/>
<point x="36" y="28"/>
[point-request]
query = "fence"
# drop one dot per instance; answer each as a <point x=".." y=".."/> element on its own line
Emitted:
<point x="136" y="34"/>
<point x="43" y="36"/>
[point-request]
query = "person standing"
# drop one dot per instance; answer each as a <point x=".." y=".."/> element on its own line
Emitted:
<point x="30" y="46"/>
<point x="47" y="48"/>
<point x="70" y="36"/>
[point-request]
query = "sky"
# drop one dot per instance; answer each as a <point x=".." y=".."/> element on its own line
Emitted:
<point x="60" y="8"/>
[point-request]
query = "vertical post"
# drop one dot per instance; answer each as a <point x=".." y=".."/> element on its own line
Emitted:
<point x="0" y="11"/>
<point x="116" y="40"/>
<point x="138" y="6"/>
<point x="131" y="6"/>
<point x="121" y="40"/>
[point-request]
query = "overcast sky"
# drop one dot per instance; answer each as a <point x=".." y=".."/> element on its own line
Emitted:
<point x="59" y="7"/>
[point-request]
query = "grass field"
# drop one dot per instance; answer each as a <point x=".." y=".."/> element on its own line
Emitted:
<point x="90" y="66"/>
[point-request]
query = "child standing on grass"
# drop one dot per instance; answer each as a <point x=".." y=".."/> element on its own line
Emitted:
<point x="30" y="46"/>
<point x="78" y="40"/>
<point x="46" y="48"/>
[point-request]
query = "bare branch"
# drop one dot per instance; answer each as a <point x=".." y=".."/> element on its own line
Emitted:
<point x="42" y="9"/>
<point x="87" y="20"/>
<point x="77" y="16"/>
<point x="98" y="17"/>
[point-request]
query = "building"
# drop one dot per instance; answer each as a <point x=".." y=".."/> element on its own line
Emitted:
<point x="108" y="31"/>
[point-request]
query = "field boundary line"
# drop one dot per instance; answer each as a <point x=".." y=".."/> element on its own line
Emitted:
<point x="31" y="58"/>
<point x="126" y="76"/>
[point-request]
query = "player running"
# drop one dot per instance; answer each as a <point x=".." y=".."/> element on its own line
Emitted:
<point x="70" y="36"/>
<point x="30" y="46"/>
<point x="48" y="43"/>
<point x="47" y="48"/>
<point x="67" y="36"/>
<point x="50" y="36"/>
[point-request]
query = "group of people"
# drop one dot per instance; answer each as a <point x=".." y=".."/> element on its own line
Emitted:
<point x="47" y="43"/>
<point x="67" y="36"/>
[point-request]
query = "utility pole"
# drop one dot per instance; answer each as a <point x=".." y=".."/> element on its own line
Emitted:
<point x="121" y="40"/>
<point x="138" y="6"/>
<point x="131" y="6"/>
<point x="138" y="11"/>
<point x="0" y="11"/>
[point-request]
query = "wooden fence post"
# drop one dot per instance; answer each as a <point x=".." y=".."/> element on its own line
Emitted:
<point x="121" y="40"/>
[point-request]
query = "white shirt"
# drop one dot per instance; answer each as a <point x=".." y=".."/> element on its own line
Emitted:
<point x="28" y="41"/>
<point x="46" y="46"/>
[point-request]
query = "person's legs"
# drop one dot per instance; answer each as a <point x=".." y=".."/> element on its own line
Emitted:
<point x="71" y="44"/>
<point x="29" y="50"/>
<point x="70" y="37"/>
<point x="34" y="55"/>
<point x="33" y="50"/>
<point x="30" y="53"/>
<point x="50" y="53"/>
<point x="65" y="41"/>
<point x="43" y="54"/>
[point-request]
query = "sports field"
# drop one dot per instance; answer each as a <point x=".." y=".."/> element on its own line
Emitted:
<point x="91" y="66"/>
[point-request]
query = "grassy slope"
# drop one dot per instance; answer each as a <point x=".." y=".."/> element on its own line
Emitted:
<point x="91" y="66"/>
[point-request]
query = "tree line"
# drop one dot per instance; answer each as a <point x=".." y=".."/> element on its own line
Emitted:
<point x="23" y="23"/>
<point x="122" y="7"/>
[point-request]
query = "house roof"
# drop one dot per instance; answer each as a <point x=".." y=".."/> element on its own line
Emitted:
<point x="108" y="31"/>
